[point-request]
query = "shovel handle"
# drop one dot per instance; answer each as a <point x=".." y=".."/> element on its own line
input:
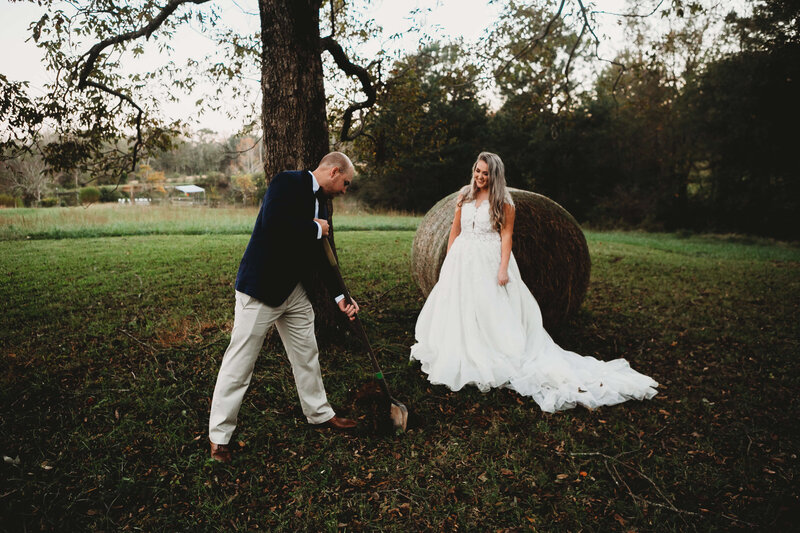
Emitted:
<point x="326" y="245"/>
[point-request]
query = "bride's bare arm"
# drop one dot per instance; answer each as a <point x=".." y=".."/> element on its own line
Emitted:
<point x="505" y="243"/>
<point x="455" y="228"/>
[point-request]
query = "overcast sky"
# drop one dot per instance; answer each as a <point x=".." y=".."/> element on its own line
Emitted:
<point x="21" y="60"/>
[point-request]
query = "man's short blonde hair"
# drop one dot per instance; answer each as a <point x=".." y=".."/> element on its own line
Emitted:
<point x="338" y="160"/>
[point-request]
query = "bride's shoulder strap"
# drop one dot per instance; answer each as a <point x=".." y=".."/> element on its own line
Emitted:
<point x="508" y="199"/>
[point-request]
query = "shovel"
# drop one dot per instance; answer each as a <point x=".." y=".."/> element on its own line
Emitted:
<point x="398" y="412"/>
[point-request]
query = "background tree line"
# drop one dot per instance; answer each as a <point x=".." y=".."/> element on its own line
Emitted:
<point x="229" y="169"/>
<point x="693" y="133"/>
<point x="687" y="126"/>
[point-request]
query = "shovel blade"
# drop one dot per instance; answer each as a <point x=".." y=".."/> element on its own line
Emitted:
<point x="399" y="416"/>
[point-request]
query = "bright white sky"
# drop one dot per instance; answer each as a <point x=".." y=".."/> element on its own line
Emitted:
<point x="469" y="19"/>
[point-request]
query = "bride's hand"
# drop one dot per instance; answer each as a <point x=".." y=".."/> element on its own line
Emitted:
<point x="502" y="277"/>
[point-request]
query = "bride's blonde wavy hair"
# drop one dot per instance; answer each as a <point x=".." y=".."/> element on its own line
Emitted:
<point x="498" y="194"/>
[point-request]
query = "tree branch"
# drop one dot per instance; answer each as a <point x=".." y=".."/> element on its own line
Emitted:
<point x="351" y="69"/>
<point x="565" y="85"/>
<point x="94" y="53"/>
<point x="146" y="31"/>
<point x="631" y="15"/>
<point x="243" y="10"/>
<point x="536" y="40"/>
<point x="333" y="19"/>
<point x="622" y="67"/>
<point x="255" y="144"/>
<point x="617" y="478"/>
<point x="139" y="114"/>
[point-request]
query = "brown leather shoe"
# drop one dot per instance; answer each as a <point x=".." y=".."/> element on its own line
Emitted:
<point x="221" y="452"/>
<point x="338" y="423"/>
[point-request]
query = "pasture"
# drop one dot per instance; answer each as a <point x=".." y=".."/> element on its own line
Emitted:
<point x="113" y="329"/>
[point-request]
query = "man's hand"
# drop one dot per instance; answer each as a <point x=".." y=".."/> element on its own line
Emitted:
<point x="324" y="225"/>
<point x="349" y="310"/>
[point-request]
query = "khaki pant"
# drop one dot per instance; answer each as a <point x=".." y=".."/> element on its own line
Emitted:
<point x="294" y="320"/>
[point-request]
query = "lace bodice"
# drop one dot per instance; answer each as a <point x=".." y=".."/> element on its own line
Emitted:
<point x="476" y="222"/>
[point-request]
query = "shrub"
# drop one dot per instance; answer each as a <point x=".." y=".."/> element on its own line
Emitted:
<point x="110" y="194"/>
<point x="6" y="200"/>
<point x="261" y="186"/>
<point x="70" y="199"/>
<point x="50" y="202"/>
<point x="89" y="195"/>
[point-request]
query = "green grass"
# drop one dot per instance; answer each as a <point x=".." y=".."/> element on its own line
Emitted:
<point x="711" y="245"/>
<point x="112" y="220"/>
<point x="110" y="348"/>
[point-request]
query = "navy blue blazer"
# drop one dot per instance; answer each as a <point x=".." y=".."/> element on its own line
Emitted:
<point x="283" y="249"/>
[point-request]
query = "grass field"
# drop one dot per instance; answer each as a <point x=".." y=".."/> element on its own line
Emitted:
<point x="110" y="348"/>
<point x="113" y="220"/>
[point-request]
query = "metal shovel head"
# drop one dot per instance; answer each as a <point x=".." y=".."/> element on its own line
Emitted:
<point x="399" y="415"/>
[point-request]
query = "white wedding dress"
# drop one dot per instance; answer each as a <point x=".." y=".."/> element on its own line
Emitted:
<point x="472" y="331"/>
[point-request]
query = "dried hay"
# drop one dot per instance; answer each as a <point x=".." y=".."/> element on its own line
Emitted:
<point x="549" y="247"/>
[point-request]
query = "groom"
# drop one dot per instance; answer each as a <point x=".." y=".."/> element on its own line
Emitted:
<point x="284" y="250"/>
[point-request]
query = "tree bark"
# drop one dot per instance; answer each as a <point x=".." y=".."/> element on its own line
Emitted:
<point x="293" y="105"/>
<point x="294" y="118"/>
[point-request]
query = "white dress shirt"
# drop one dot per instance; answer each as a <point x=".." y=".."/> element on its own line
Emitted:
<point x="315" y="188"/>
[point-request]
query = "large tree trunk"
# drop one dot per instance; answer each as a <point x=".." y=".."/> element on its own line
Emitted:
<point x="293" y="106"/>
<point x="294" y="119"/>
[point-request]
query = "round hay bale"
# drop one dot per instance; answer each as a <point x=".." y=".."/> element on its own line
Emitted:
<point x="548" y="244"/>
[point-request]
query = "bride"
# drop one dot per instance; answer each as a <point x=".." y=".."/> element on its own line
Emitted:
<point x="482" y="326"/>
